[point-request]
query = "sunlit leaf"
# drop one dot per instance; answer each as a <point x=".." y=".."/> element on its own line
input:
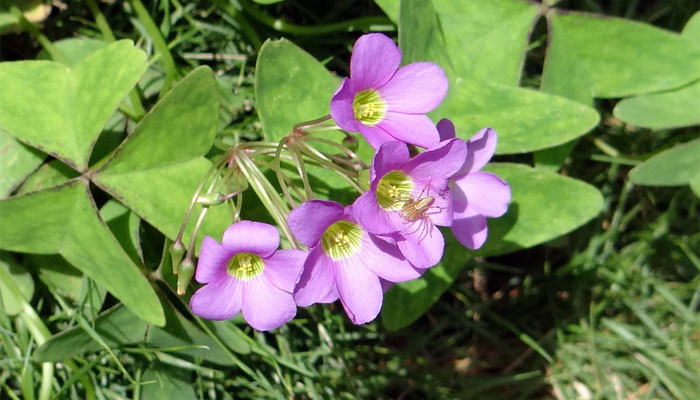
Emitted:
<point x="607" y="50"/>
<point x="64" y="220"/>
<point x="155" y="172"/>
<point x="61" y="110"/>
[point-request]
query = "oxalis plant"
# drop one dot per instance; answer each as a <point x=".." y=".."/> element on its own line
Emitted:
<point x="351" y="252"/>
<point x="375" y="189"/>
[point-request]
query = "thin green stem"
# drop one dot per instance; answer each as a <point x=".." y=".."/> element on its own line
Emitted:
<point x="287" y="179"/>
<point x="326" y="162"/>
<point x="55" y="54"/>
<point x="299" y="163"/>
<point x="215" y="168"/>
<point x="280" y="175"/>
<point x="158" y="42"/>
<point x="376" y="24"/>
<point x="101" y="21"/>
<point x="267" y="194"/>
<point x="342" y="148"/>
<point x="304" y="126"/>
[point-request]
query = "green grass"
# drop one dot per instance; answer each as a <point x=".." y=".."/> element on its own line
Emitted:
<point x="606" y="312"/>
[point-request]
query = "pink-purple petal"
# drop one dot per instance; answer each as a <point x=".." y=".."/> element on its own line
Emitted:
<point x="370" y="216"/>
<point x="310" y="219"/>
<point x="390" y="156"/>
<point x="359" y="289"/>
<point x="439" y="162"/>
<point x="283" y="268"/>
<point x="218" y="300"/>
<point x="446" y="129"/>
<point x="416" y="129"/>
<point x="483" y="192"/>
<point x="317" y="280"/>
<point x="265" y="306"/>
<point x="416" y="88"/>
<point x="252" y="237"/>
<point x="423" y="244"/>
<point x="480" y="149"/>
<point x="213" y="258"/>
<point x="470" y="229"/>
<point x="375" y="135"/>
<point x="374" y="60"/>
<point x="386" y="261"/>
<point x="341" y="107"/>
<point x="331" y="296"/>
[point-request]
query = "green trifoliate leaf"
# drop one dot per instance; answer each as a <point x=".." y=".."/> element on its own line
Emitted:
<point x="290" y="87"/>
<point x="17" y="161"/>
<point x="64" y="220"/>
<point x="607" y="53"/>
<point x="544" y="206"/>
<point x="486" y="40"/>
<point x="62" y="110"/>
<point x="670" y="109"/>
<point x="155" y="172"/>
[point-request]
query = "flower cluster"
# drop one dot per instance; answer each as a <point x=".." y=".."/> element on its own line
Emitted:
<point x="390" y="233"/>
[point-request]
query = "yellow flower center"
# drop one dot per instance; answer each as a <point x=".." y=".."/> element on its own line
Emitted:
<point x="368" y="106"/>
<point x="393" y="190"/>
<point x="245" y="266"/>
<point x="341" y="239"/>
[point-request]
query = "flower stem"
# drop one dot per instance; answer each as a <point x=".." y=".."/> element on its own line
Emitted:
<point x="267" y="194"/>
<point x="296" y="155"/>
<point x="215" y="168"/>
<point x="306" y="125"/>
<point x="348" y="176"/>
<point x="342" y="148"/>
<point x="280" y="175"/>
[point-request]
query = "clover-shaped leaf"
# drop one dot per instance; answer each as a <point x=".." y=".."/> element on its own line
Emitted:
<point x="525" y="119"/>
<point x="62" y="110"/>
<point x="607" y="53"/>
<point x="64" y="220"/>
<point x="157" y="168"/>
<point x="669" y="109"/>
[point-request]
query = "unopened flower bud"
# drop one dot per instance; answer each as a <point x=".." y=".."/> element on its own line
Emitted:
<point x="185" y="271"/>
<point x="177" y="250"/>
<point x="351" y="142"/>
<point x="211" y="199"/>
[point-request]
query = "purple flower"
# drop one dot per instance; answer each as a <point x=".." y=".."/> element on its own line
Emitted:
<point x="247" y="272"/>
<point x="476" y="194"/>
<point x="408" y="197"/>
<point x="384" y="102"/>
<point x="345" y="261"/>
